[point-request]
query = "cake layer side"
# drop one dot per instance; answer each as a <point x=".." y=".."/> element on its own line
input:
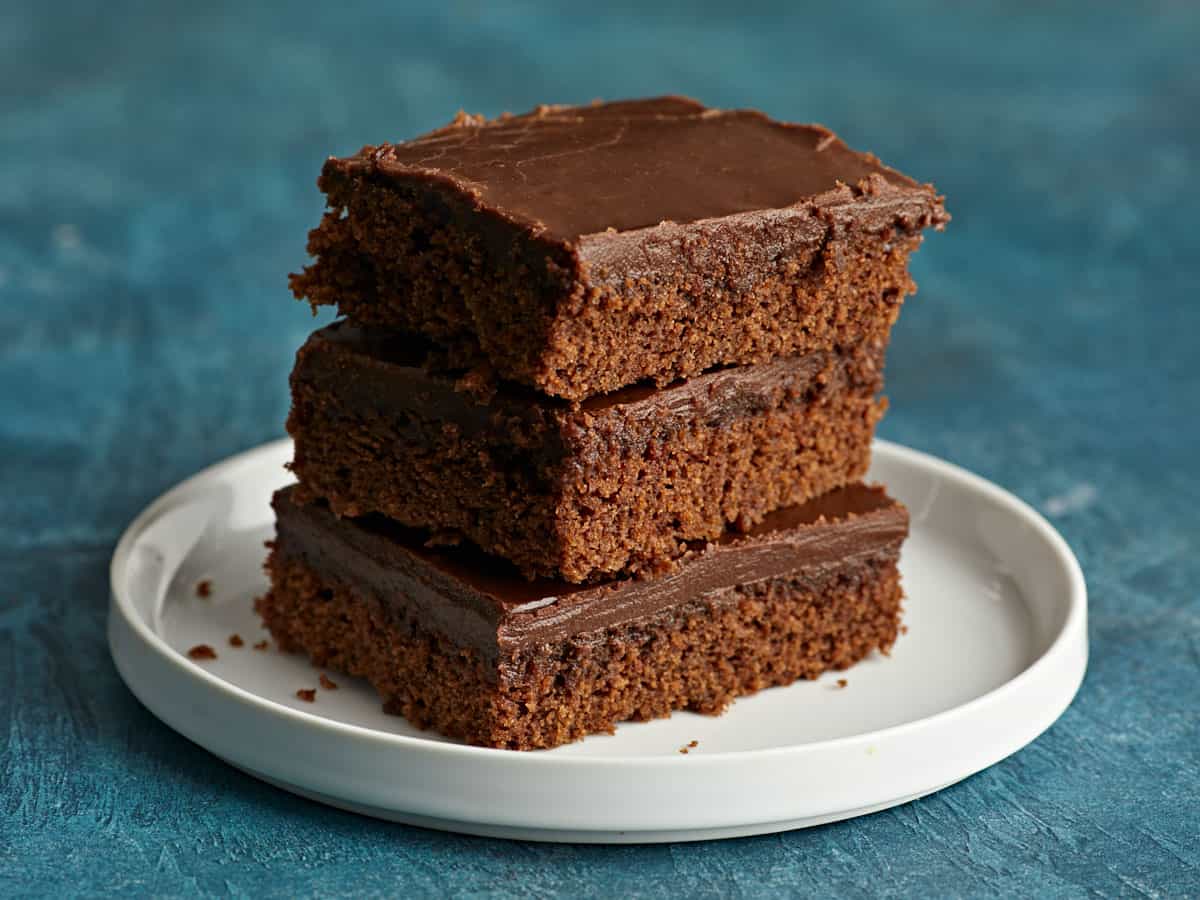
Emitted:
<point x="848" y="295"/>
<point x="616" y="485"/>
<point x="482" y="603"/>
<point x="580" y="285"/>
<point x="698" y="653"/>
<point x="381" y="259"/>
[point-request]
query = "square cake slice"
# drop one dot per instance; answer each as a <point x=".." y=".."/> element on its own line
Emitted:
<point x="581" y="492"/>
<point x="582" y="249"/>
<point x="460" y="642"/>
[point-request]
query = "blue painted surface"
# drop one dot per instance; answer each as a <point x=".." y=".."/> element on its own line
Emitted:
<point x="156" y="180"/>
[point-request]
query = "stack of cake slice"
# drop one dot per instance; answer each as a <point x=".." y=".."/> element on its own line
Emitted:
<point x="587" y="446"/>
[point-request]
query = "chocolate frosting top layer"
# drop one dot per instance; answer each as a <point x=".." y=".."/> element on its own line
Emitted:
<point x="482" y="602"/>
<point x="568" y="172"/>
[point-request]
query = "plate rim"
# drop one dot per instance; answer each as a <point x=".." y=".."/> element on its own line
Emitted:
<point x="1073" y="623"/>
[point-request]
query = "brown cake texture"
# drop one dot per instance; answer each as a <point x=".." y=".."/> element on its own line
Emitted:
<point x="588" y="445"/>
<point x="458" y="641"/>
<point x="616" y="484"/>
<point x="582" y="249"/>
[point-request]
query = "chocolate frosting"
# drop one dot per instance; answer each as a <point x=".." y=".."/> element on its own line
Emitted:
<point x="388" y="372"/>
<point x="483" y="603"/>
<point x="595" y="177"/>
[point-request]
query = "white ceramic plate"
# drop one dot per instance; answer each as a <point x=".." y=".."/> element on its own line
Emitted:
<point x="995" y="650"/>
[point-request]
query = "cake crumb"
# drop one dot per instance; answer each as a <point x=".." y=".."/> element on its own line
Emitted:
<point x="328" y="683"/>
<point x="202" y="652"/>
<point x="235" y="640"/>
<point x="262" y="645"/>
<point x="694" y="744"/>
<point x="842" y="683"/>
<point x="308" y="695"/>
<point x="904" y="629"/>
<point x="686" y="747"/>
<point x="204" y="588"/>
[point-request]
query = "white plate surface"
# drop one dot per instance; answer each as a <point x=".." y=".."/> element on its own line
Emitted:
<point x="995" y="650"/>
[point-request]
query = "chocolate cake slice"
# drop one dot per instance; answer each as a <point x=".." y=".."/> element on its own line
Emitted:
<point x="460" y="642"/>
<point x="583" y="249"/>
<point x="616" y="484"/>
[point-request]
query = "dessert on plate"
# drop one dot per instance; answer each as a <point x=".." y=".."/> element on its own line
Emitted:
<point x="587" y="445"/>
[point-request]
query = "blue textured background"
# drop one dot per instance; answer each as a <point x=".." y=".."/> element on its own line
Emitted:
<point x="156" y="180"/>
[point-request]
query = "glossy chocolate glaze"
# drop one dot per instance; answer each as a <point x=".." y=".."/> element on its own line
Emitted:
<point x="588" y="176"/>
<point x="483" y="603"/>
<point x="388" y="372"/>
